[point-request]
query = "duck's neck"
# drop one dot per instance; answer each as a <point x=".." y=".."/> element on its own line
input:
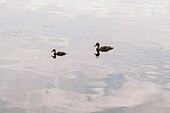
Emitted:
<point x="98" y="46"/>
<point x="54" y="51"/>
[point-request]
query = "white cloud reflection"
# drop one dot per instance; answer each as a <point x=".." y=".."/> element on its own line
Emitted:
<point x="93" y="8"/>
<point x="102" y="8"/>
<point x="132" y="94"/>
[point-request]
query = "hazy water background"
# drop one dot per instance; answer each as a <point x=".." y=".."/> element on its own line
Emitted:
<point x="132" y="78"/>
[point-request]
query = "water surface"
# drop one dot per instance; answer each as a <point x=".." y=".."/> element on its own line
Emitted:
<point x="134" y="77"/>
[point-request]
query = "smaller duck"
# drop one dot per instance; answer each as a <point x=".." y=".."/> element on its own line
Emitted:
<point x="58" y="53"/>
<point x="103" y="48"/>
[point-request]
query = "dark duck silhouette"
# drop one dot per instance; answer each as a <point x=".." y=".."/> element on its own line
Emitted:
<point x="103" y="48"/>
<point x="59" y="53"/>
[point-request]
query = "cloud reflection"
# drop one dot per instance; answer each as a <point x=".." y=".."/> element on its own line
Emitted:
<point x="93" y="8"/>
<point x="103" y="8"/>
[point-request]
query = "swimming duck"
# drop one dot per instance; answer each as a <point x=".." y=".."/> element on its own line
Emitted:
<point x="58" y="53"/>
<point x="103" y="48"/>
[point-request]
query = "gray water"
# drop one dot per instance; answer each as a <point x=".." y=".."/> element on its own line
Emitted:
<point x="134" y="77"/>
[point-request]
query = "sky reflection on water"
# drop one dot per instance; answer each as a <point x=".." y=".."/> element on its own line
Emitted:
<point x="132" y="78"/>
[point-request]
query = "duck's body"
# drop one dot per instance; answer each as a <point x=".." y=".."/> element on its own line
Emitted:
<point x="103" y="48"/>
<point x="58" y="53"/>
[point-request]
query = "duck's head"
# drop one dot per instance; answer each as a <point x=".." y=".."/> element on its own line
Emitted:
<point x="53" y="51"/>
<point x="97" y="44"/>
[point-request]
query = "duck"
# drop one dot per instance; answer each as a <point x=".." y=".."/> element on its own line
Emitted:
<point x="59" y="53"/>
<point x="103" y="48"/>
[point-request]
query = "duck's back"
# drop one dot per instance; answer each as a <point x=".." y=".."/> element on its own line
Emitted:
<point x="105" y="48"/>
<point x="60" y="53"/>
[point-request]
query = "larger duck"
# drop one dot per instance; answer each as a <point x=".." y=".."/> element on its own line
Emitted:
<point x="103" y="48"/>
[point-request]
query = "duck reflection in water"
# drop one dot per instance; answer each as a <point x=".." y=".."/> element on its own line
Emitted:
<point x="57" y="53"/>
<point x="102" y="49"/>
<point x="98" y="53"/>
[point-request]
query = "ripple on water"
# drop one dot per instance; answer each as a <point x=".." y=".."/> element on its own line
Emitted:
<point x="8" y="62"/>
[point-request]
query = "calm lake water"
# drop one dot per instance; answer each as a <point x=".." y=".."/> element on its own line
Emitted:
<point x="134" y="77"/>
